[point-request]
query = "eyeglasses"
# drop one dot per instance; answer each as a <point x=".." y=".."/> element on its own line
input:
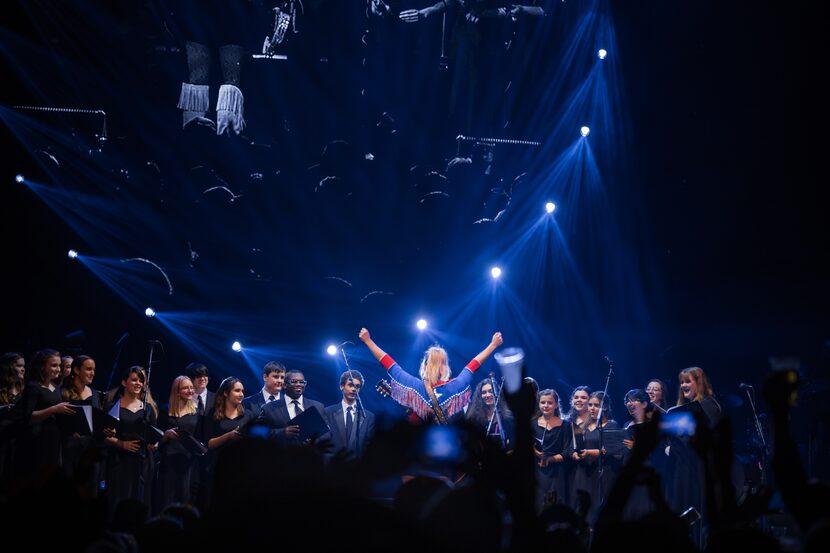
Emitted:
<point x="297" y="382"/>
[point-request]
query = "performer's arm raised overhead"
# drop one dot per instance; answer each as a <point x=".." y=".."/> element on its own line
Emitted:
<point x="366" y="338"/>
<point x="491" y="347"/>
<point x="414" y="392"/>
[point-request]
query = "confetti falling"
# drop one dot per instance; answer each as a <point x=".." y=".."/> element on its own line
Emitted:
<point x="142" y="260"/>
<point x="433" y="194"/>
<point x="375" y="293"/>
<point x="226" y="189"/>
<point x="343" y="280"/>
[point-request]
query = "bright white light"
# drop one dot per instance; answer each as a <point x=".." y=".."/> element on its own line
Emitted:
<point x="602" y="53"/>
<point x="421" y="324"/>
<point x="331" y="350"/>
<point x="150" y="312"/>
<point x="550" y="207"/>
<point x="495" y="272"/>
<point x="585" y="131"/>
<point x="236" y="346"/>
<point x="71" y="254"/>
<point x="19" y="178"/>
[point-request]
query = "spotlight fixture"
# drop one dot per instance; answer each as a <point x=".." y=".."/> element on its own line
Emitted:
<point x="236" y="346"/>
<point x="421" y="324"/>
<point x="550" y="207"/>
<point x="19" y="178"/>
<point x="585" y="131"/>
<point x="150" y="312"/>
<point x="602" y="53"/>
<point x="495" y="272"/>
<point x="332" y="350"/>
<point x="72" y="254"/>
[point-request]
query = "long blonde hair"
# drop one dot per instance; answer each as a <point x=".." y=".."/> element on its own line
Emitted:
<point x="435" y="365"/>
<point x="695" y="374"/>
<point x="178" y="407"/>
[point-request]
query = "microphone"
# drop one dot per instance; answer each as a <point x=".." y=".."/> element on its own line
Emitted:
<point x="743" y="386"/>
<point x="154" y="342"/>
<point x="123" y="337"/>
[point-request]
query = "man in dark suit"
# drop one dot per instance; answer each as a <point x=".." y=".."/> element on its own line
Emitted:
<point x="351" y="426"/>
<point x="273" y="377"/>
<point x="204" y="399"/>
<point x="198" y="374"/>
<point x="277" y="415"/>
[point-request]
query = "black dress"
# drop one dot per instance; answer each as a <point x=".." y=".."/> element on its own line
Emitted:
<point x="213" y="429"/>
<point x="586" y="472"/>
<point x="177" y="465"/>
<point x="39" y="443"/>
<point x="550" y="478"/>
<point x="130" y="475"/>
<point x="74" y="447"/>
<point x="9" y="429"/>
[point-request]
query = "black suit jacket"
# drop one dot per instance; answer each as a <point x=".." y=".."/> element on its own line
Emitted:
<point x="254" y="402"/>
<point x="275" y="416"/>
<point x="364" y="427"/>
<point x="210" y="399"/>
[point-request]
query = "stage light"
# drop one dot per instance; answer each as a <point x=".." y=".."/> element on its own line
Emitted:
<point x="585" y="131"/>
<point x="421" y="324"/>
<point x="236" y="346"/>
<point x="550" y="207"/>
<point x="150" y="312"/>
<point x="331" y="350"/>
<point x="495" y="272"/>
<point x="19" y="178"/>
<point x="72" y="254"/>
<point x="602" y="53"/>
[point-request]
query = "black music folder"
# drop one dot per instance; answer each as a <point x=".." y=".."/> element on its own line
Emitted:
<point x="145" y="431"/>
<point x="612" y="441"/>
<point x="311" y="423"/>
<point x="87" y="420"/>
<point x="191" y="443"/>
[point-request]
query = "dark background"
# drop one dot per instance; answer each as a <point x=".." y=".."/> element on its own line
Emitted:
<point x="696" y="236"/>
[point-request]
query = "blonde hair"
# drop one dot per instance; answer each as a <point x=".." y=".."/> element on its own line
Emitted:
<point x="178" y="407"/>
<point x="695" y="374"/>
<point x="435" y="365"/>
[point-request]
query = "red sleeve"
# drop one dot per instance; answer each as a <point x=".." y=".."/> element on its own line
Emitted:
<point x="387" y="361"/>
<point x="473" y="365"/>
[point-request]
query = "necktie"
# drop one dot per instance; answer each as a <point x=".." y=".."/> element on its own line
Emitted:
<point x="200" y="406"/>
<point x="297" y="408"/>
<point x="271" y="398"/>
<point x="349" y="425"/>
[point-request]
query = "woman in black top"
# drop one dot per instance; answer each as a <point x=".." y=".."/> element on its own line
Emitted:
<point x="130" y="458"/>
<point x="226" y="422"/>
<point x="587" y="475"/>
<point x="228" y="417"/>
<point x="76" y="389"/>
<point x="12" y="371"/>
<point x="481" y="414"/>
<point x="177" y="463"/>
<point x="549" y="447"/>
<point x="39" y="445"/>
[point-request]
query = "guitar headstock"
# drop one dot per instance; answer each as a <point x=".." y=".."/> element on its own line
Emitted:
<point x="384" y="388"/>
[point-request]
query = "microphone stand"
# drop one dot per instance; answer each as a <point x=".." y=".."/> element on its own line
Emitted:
<point x="145" y="416"/>
<point x="119" y="347"/>
<point x="496" y="413"/>
<point x="760" y="431"/>
<point x="601" y="466"/>
<point x="359" y="402"/>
